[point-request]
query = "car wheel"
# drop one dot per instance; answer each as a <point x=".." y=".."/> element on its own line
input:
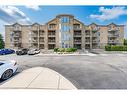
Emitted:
<point x="7" y="74"/>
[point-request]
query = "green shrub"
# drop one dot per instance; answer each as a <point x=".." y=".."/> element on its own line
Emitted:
<point x="61" y="50"/>
<point x="115" y="48"/>
<point x="56" y="49"/>
<point x="65" y="49"/>
<point x="71" y="49"/>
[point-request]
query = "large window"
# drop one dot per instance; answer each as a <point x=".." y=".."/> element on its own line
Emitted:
<point x="65" y="19"/>
<point x="65" y="28"/>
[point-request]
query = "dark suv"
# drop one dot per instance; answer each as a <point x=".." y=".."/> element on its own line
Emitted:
<point x="22" y="51"/>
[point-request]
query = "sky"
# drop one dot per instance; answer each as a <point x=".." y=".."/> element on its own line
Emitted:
<point x="42" y="14"/>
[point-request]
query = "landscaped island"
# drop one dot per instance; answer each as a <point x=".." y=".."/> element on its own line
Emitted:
<point x="115" y="48"/>
<point x="65" y="50"/>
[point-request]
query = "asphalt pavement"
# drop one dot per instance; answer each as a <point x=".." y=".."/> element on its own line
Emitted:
<point x="97" y="71"/>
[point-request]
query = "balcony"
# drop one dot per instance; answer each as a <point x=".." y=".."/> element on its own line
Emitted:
<point x="94" y="35"/>
<point x="34" y="41"/>
<point x="41" y="46"/>
<point x="113" y="29"/>
<point x="77" y="27"/>
<point x="41" y="35"/>
<point x="87" y="46"/>
<point x="17" y="35"/>
<point x="95" y="46"/>
<point x="94" y="41"/>
<point x="77" y="35"/>
<point x="87" y="41"/>
<point x="51" y="40"/>
<point x="51" y="34"/>
<point x="77" y="41"/>
<point x="112" y="41"/>
<point x="34" y="35"/>
<point x="41" y="41"/>
<point x="16" y="41"/>
<point x="51" y="46"/>
<point x="113" y="35"/>
<point x="52" y="27"/>
<point x="78" y="46"/>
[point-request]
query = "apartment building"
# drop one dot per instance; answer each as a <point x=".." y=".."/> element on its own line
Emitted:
<point x="64" y="31"/>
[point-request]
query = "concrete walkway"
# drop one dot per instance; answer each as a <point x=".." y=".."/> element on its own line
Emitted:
<point x="86" y="54"/>
<point x="38" y="78"/>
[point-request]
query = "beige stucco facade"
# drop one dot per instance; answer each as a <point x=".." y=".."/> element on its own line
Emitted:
<point x="64" y="31"/>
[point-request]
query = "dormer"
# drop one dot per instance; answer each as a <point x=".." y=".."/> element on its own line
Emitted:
<point x="16" y="27"/>
<point x="94" y="26"/>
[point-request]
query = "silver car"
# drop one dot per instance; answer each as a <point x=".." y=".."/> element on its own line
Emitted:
<point x="33" y="51"/>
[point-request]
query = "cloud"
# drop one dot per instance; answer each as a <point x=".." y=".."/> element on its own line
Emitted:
<point x="11" y="14"/>
<point x="109" y="13"/>
<point x="33" y="7"/>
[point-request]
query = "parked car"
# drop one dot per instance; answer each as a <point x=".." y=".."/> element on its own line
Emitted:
<point x="6" y="51"/>
<point x="7" y="69"/>
<point x="22" y="51"/>
<point x="33" y="51"/>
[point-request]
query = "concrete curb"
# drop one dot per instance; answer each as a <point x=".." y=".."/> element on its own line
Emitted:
<point x="38" y="78"/>
<point x="89" y="54"/>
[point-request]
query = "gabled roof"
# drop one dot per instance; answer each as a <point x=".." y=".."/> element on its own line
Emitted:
<point x="51" y="20"/>
<point x="112" y="24"/>
<point x="79" y="21"/>
<point x="35" y="24"/>
<point x="16" y="24"/>
<point x="93" y="24"/>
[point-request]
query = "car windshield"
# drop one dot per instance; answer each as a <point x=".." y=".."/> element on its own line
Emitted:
<point x="1" y="63"/>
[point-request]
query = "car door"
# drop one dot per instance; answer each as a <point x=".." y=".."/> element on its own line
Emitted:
<point x="2" y="68"/>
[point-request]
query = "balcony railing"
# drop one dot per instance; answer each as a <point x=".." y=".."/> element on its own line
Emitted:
<point x="94" y="35"/>
<point x="87" y="40"/>
<point x="52" y="35"/>
<point x="34" y="35"/>
<point x="113" y="29"/>
<point x="112" y="41"/>
<point x="94" y="41"/>
<point x="51" y="41"/>
<point x="77" y="41"/>
<point x="34" y="41"/>
<point x="77" y="35"/>
<point x="52" y="28"/>
<point x="77" y="28"/>
<point x="16" y="35"/>
<point x="41" y="35"/>
<point x="112" y="35"/>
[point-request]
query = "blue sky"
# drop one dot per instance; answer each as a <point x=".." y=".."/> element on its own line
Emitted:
<point x="42" y="14"/>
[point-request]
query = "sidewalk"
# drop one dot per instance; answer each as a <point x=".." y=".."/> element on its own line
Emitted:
<point x="74" y="54"/>
<point x="38" y="78"/>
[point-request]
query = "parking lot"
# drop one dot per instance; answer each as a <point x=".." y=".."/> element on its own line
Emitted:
<point x="95" y="71"/>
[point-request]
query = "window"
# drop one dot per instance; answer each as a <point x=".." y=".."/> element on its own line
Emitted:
<point x="65" y="19"/>
<point x="1" y="64"/>
<point x="109" y="27"/>
<point x="76" y="26"/>
<point x="17" y="27"/>
<point x="65" y="28"/>
<point x="52" y="26"/>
